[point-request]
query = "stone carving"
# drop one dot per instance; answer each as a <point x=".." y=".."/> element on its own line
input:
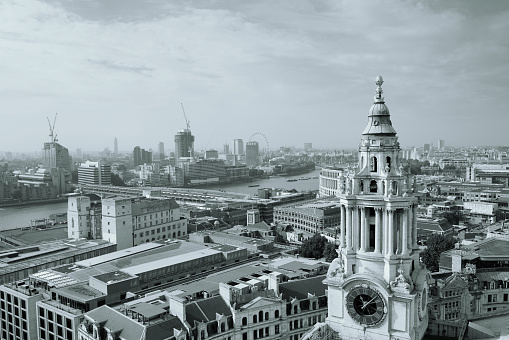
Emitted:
<point x="337" y="268"/>
<point x="342" y="185"/>
<point x="401" y="284"/>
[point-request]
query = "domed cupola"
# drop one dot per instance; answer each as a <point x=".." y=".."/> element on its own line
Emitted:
<point x="379" y="119"/>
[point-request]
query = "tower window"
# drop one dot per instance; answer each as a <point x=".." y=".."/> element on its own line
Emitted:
<point x="388" y="164"/>
<point x="373" y="164"/>
<point x="373" y="187"/>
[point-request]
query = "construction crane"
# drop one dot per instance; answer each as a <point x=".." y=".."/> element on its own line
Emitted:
<point x="52" y="133"/>
<point x="187" y="121"/>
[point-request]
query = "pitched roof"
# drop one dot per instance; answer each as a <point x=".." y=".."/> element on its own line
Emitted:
<point x="205" y="310"/>
<point x="300" y="288"/>
<point x="115" y="321"/>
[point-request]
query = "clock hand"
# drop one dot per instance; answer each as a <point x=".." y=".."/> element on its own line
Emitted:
<point x="367" y="303"/>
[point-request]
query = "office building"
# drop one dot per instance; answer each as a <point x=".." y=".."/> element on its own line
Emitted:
<point x="441" y="145"/>
<point x="128" y="222"/>
<point x="161" y="151"/>
<point x="211" y="154"/>
<point x="79" y="154"/>
<point x="94" y="173"/>
<point x="238" y="147"/>
<point x="377" y="273"/>
<point x="141" y="156"/>
<point x="252" y="154"/>
<point x="226" y="149"/>
<point x="184" y="144"/>
<point x="56" y="156"/>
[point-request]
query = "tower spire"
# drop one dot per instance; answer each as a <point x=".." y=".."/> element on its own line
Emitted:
<point x="378" y="97"/>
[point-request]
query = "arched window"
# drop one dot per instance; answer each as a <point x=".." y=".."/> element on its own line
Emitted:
<point x="174" y="234"/>
<point x="266" y="315"/>
<point x="260" y="316"/>
<point x="244" y="321"/>
<point x="361" y="185"/>
<point x="388" y="164"/>
<point x="255" y="319"/>
<point x="373" y="187"/>
<point x="202" y="334"/>
<point x="276" y="313"/>
<point x="294" y="309"/>
<point x="395" y="187"/>
<point x="314" y="305"/>
<point x="178" y="233"/>
<point x="373" y="164"/>
<point x="222" y="327"/>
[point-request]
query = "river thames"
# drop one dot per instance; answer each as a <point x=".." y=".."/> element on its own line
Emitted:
<point x="21" y="216"/>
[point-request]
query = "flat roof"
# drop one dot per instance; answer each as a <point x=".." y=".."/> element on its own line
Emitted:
<point x="119" y="254"/>
<point x="173" y="260"/>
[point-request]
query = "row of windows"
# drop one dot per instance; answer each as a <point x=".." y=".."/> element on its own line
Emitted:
<point x="260" y="317"/>
<point x="12" y="299"/>
<point x="174" y="235"/>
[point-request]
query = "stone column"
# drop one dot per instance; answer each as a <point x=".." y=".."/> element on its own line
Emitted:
<point x="390" y="225"/>
<point x="414" y="226"/>
<point x="349" y="227"/>
<point x="343" y="222"/>
<point x="363" y="229"/>
<point x="378" y="236"/>
<point x="404" y="233"/>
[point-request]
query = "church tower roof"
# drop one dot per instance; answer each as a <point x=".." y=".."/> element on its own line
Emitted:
<point x="379" y="119"/>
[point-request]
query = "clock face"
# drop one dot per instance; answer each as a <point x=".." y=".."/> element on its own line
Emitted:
<point x="365" y="305"/>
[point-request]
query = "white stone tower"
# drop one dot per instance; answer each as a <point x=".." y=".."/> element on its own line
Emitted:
<point x="377" y="288"/>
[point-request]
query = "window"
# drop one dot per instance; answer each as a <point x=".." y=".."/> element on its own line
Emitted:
<point x="255" y="319"/>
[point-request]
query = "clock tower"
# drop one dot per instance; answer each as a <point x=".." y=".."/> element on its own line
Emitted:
<point x="377" y="288"/>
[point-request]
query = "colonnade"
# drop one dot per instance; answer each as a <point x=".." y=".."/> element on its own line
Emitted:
<point x="395" y="229"/>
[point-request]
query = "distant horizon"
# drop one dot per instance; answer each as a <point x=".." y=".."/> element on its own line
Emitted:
<point x="288" y="70"/>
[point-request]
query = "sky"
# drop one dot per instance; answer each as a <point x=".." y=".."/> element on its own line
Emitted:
<point x="280" y="72"/>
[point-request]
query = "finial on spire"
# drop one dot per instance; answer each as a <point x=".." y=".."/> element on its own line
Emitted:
<point x="379" y="81"/>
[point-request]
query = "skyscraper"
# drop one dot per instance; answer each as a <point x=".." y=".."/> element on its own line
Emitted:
<point x="56" y="156"/>
<point x="441" y="144"/>
<point x="238" y="147"/>
<point x="184" y="144"/>
<point x="252" y="154"/>
<point x="161" y="151"/>
<point x="115" y="146"/>
<point x="141" y="156"/>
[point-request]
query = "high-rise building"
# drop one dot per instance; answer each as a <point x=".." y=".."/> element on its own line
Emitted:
<point x="427" y="147"/>
<point x="226" y="149"/>
<point x="161" y="151"/>
<point x="377" y="274"/>
<point x="211" y="154"/>
<point x="252" y="154"/>
<point x="115" y="146"/>
<point x="56" y="156"/>
<point x="94" y="173"/>
<point x="441" y="144"/>
<point x="141" y="156"/>
<point x="79" y="154"/>
<point x="184" y="144"/>
<point x="238" y="147"/>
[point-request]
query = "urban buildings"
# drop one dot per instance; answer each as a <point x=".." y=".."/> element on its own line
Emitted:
<point x="377" y="273"/>
<point x="141" y="156"/>
<point x="92" y="173"/>
<point x="184" y="144"/>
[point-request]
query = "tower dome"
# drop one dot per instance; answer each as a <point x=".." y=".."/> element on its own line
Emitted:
<point x="379" y="119"/>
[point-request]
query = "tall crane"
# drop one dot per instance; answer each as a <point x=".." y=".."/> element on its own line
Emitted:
<point x="187" y="121"/>
<point x="52" y="133"/>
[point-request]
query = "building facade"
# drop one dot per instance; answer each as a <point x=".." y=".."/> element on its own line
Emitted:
<point x="96" y="173"/>
<point x="252" y="153"/>
<point x="184" y="144"/>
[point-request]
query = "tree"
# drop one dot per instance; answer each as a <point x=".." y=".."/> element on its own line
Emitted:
<point x="329" y="252"/>
<point x="279" y="239"/>
<point x="117" y="181"/>
<point x="313" y="247"/>
<point x="436" y="245"/>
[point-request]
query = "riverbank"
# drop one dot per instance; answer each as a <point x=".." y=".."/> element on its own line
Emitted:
<point x="35" y="202"/>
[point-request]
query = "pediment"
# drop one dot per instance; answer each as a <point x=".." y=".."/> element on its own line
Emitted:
<point x="261" y="302"/>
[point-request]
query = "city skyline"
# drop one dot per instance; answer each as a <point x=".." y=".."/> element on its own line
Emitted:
<point x="294" y="71"/>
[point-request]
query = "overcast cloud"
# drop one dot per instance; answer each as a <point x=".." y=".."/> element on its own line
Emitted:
<point x="296" y="71"/>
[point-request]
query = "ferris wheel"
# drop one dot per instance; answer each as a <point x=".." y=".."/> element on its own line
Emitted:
<point x="260" y="136"/>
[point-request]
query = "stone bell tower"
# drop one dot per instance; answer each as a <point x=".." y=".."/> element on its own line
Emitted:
<point x="377" y="287"/>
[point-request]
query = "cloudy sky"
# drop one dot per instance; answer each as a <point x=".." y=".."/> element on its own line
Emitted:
<point x="295" y="71"/>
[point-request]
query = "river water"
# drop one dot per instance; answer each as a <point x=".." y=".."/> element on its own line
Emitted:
<point x="21" y="216"/>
